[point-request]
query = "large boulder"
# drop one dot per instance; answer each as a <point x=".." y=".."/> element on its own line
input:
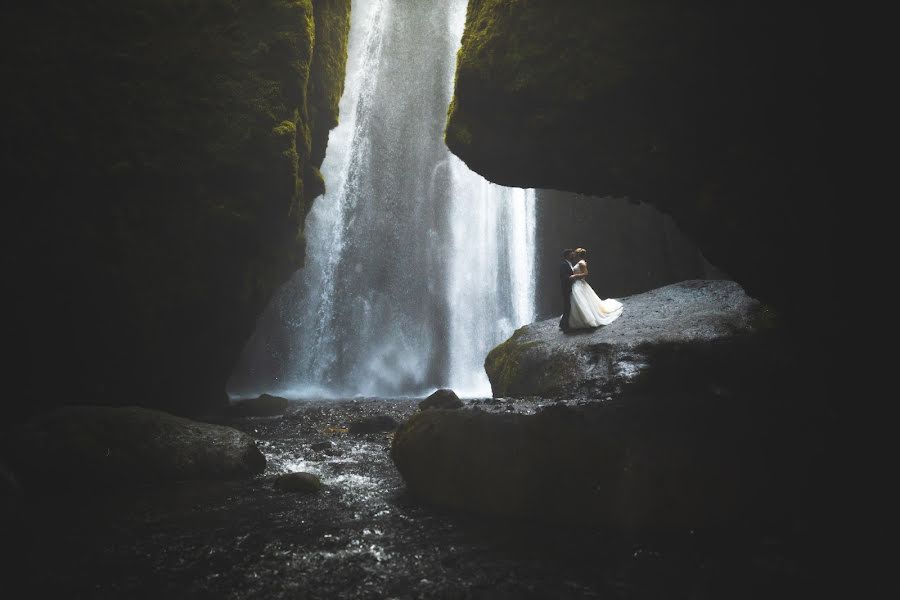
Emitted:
<point x="672" y="462"/>
<point x="302" y="483"/>
<point x="83" y="445"/>
<point x="692" y="410"/>
<point x="664" y="337"/>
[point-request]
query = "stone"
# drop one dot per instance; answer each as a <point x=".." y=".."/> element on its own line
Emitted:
<point x="442" y="398"/>
<point x="654" y="463"/>
<point x="304" y="483"/>
<point x="664" y="337"/>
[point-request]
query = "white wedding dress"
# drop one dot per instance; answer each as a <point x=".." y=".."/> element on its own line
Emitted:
<point x="588" y="310"/>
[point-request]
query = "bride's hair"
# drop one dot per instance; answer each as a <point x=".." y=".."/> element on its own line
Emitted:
<point x="581" y="252"/>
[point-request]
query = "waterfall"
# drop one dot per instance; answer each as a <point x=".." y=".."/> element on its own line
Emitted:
<point x="416" y="267"/>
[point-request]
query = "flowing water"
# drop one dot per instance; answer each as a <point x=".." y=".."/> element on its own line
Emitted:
<point x="416" y="267"/>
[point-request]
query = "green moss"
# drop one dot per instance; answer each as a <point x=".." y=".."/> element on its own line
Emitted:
<point x="326" y="83"/>
<point x="514" y="369"/>
<point x="503" y="364"/>
<point x="460" y="134"/>
<point x="167" y="157"/>
<point x="529" y="51"/>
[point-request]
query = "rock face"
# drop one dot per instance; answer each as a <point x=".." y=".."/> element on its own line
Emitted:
<point x="87" y="445"/>
<point x="713" y="112"/>
<point x="673" y="462"/>
<point x="653" y="343"/>
<point x="159" y="175"/>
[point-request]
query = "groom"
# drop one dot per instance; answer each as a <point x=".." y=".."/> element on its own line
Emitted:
<point x="566" y="277"/>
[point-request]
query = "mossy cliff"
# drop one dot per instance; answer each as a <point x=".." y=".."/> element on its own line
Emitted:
<point x="160" y="159"/>
<point x="714" y="113"/>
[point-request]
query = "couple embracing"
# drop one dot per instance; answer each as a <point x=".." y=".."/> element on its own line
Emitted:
<point x="582" y="308"/>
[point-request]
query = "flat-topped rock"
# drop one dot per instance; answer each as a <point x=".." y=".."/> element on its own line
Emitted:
<point x="655" y="327"/>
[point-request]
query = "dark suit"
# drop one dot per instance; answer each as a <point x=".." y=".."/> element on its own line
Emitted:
<point x="565" y="271"/>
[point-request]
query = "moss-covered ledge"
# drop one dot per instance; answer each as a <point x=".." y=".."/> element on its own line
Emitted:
<point x="164" y="154"/>
<point x="518" y="368"/>
<point x="713" y="112"/>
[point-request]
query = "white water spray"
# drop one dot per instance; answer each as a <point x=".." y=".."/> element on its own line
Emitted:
<point x="416" y="267"/>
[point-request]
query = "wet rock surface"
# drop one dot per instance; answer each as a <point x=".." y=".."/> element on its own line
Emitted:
<point x="671" y="336"/>
<point x="677" y="462"/>
<point x="305" y="483"/>
<point x="363" y="537"/>
<point x="442" y="398"/>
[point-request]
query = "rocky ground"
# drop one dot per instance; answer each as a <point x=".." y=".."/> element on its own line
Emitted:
<point x="362" y="536"/>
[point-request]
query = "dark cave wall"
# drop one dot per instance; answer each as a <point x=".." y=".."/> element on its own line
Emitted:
<point x="713" y="112"/>
<point x="160" y="158"/>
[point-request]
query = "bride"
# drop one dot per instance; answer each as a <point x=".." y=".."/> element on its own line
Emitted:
<point x="588" y="310"/>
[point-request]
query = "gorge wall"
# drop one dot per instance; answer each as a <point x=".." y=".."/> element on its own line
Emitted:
<point x="160" y="159"/>
<point x="714" y="113"/>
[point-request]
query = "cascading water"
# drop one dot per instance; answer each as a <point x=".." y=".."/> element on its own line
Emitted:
<point x="416" y="267"/>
